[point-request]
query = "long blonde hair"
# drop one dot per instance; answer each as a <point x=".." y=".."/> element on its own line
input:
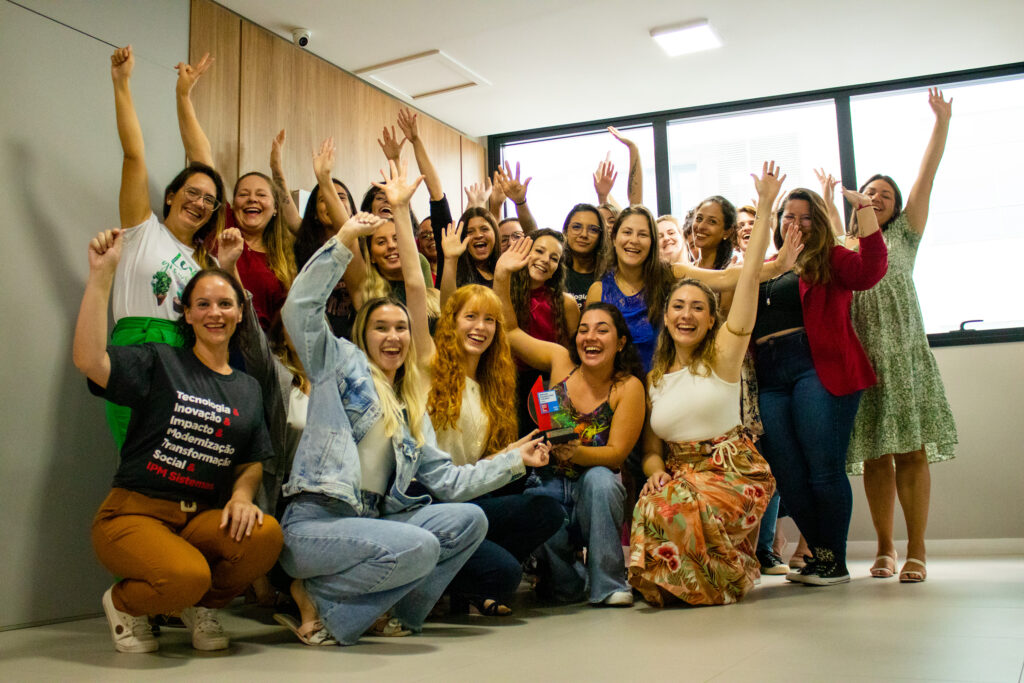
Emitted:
<point x="702" y="360"/>
<point x="496" y="373"/>
<point x="277" y="239"/>
<point x="408" y="392"/>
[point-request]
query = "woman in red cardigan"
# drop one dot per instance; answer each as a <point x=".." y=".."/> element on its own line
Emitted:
<point x="811" y="371"/>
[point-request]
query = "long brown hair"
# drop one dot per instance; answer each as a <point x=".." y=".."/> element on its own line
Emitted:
<point x="814" y="263"/>
<point x="519" y="289"/>
<point x="657" y="275"/>
<point x="702" y="360"/>
<point x="277" y="240"/>
<point x="496" y="373"/>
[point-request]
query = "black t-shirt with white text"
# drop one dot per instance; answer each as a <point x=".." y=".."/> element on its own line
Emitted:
<point x="190" y="426"/>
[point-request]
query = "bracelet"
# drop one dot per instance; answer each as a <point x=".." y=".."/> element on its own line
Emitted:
<point x="519" y="203"/>
<point x="738" y="334"/>
<point x="863" y="206"/>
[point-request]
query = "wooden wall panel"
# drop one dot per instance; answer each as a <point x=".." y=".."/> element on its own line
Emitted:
<point x="474" y="161"/>
<point x="215" y="30"/>
<point x="282" y="86"/>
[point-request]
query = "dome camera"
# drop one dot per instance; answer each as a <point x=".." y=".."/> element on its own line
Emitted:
<point x="300" y="36"/>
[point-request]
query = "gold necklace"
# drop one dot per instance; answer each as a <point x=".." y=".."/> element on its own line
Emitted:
<point x="620" y="283"/>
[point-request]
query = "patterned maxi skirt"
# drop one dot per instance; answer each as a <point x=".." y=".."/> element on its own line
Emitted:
<point x="694" y="540"/>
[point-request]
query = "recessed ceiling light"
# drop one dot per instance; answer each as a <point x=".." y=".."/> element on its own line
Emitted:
<point x="691" y="36"/>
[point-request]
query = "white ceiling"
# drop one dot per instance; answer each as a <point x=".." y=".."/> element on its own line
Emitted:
<point x="551" y="63"/>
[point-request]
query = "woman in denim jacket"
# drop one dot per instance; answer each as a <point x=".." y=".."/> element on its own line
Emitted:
<point x="369" y="555"/>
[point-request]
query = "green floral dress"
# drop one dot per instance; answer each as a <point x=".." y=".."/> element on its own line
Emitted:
<point x="908" y="407"/>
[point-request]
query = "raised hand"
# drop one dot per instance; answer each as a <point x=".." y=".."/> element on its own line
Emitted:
<point x="497" y="194"/>
<point x="858" y="200"/>
<point x="655" y="483"/>
<point x="943" y="109"/>
<point x="604" y="178"/>
<point x="230" y="244"/>
<point x="452" y="244"/>
<point x="105" y="251"/>
<point x="535" y="452"/>
<point x="390" y="145"/>
<point x="362" y="224"/>
<point x="188" y="74"/>
<point x="618" y="136"/>
<point x="323" y="161"/>
<point x="828" y="185"/>
<point x="511" y="186"/>
<point x="477" y="194"/>
<point x="770" y="181"/>
<point x="407" y="124"/>
<point x="122" y="62"/>
<point x="792" y="245"/>
<point x="398" y="189"/>
<point x="276" y="168"/>
<point x="515" y="257"/>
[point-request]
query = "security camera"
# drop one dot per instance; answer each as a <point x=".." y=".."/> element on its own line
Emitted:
<point x="300" y="36"/>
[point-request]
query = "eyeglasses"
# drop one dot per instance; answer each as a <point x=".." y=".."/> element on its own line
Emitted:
<point x="195" y="194"/>
<point x="577" y="228"/>
<point x="512" y="237"/>
<point x="426" y="236"/>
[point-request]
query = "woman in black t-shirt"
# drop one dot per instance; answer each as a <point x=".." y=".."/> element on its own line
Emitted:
<point x="179" y="525"/>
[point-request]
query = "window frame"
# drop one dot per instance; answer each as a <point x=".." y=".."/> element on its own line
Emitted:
<point x="844" y="126"/>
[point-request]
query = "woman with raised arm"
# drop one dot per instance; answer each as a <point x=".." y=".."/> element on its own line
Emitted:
<point x="159" y="259"/>
<point x="179" y="526"/>
<point x="904" y="422"/>
<point x="472" y="376"/>
<point x="637" y="282"/>
<point x="600" y="396"/>
<point x="260" y="207"/>
<point x="696" y="522"/>
<point x="586" y="250"/>
<point x="468" y="251"/>
<point x="670" y="240"/>
<point x="811" y="371"/>
<point x="367" y="554"/>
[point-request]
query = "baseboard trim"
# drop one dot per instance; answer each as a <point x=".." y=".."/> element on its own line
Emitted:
<point x="938" y="547"/>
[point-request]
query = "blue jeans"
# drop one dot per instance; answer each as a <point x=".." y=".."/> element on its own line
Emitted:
<point x="593" y="519"/>
<point x="357" y="568"/>
<point x="806" y="433"/>
<point x="766" y="534"/>
<point x="516" y="526"/>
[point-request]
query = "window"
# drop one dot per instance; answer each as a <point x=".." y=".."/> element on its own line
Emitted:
<point x="563" y="171"/>
<point x="967" y="265"/>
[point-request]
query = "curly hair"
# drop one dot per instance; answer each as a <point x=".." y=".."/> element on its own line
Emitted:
<point x="276" y="237"/>
<point x="496" y="372"/>
<point x="814" y="265"/>
<point x="627" y="361"/>
<point x="657" y="276"/>
<point x="703" y="357"/>
<point x="555" y="284"/>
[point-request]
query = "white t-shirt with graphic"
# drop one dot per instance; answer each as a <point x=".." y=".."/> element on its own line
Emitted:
<point x="153" y="272"/>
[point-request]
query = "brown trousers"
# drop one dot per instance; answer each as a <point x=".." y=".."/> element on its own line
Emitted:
<point x="171" y="558"/>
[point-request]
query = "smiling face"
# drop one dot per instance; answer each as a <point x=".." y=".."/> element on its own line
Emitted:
<point x="321" y="206"/>
<point x="425" y="240"/>
<point x="384" y="251"/>
<point x="511" y="231"/>
<point x="597" y="342"/>
<point x="883" y="199"/>
<point x="709" y="228"/>
<point x="797" y="211"/>
<point x="670" y="242"/>
<point x="214" y="311"/>
<point x="688" y="316"/>
<point x="633" y="240"/>
<point x="253" y="205"/>
<point x="744" y="225"/>
<point x="481" y="238"/>
<point x="475" y="327"/>
<point x="193" y="204"/>
<point x="543" y="259"/>
<point x="387" y="338"/>
<point x="379" y="206"/>
<point x="583" y="233"/>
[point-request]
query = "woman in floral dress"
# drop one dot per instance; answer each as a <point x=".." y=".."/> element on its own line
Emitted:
<point x="696" y="522"/>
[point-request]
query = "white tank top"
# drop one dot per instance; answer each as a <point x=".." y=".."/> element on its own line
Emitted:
<point x="685" y="407"/>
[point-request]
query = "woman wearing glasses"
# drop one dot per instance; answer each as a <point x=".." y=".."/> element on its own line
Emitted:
<point x="586" y="249"/>
<point x="158" y="259"/>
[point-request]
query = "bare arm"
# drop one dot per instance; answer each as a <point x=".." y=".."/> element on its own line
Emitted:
<point x="627" y="423"/>
<point x="594" y="293"/>
<point x="496" y="199"/>
<point x="133" y="202"/>
<point x="921" y="192"/>
<point x="323" y="164"/>
<point x="197" y="145"/>
<point x="828" y="184"/>
<point x="452" y="247"/>
<point x="653" y="463"/>
<point x="635" y="183"/>
<point x="604" y="179"/>
<point x="407" y="123"/>
<point x="289" y="212"/>
<point x="89" y="350"/>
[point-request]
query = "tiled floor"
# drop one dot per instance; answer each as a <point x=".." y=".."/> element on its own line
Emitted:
<point x="966" y="623"/>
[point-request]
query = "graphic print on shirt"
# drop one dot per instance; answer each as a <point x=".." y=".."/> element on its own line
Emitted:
<point x="162" y="280"/>
<point x="191" y="453"/>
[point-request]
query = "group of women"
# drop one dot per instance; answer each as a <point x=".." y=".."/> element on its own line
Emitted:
<point x="374" y="419"/>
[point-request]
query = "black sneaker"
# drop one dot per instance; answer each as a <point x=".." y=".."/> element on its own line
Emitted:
<point x="825" y="570"/>
<point x="772" y="564"/>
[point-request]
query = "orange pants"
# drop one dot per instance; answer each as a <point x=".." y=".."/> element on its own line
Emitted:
<point x="172" y="559"/>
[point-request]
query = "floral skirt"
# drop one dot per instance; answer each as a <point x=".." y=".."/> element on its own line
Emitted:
<point x="694" y="540"/>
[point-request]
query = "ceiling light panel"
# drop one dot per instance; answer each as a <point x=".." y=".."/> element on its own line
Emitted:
<point x="690" y="36"/>
<point x="421" y="75"/>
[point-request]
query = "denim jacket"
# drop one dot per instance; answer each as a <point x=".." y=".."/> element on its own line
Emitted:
<point x="343" y="406"/>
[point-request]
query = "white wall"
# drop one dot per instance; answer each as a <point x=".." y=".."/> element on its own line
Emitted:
<point x="59" y="173"/>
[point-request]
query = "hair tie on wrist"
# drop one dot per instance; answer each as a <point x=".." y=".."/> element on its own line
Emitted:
<point x="863" y="206"/>
<point x="518" y="203"/>
<point x="738" y="334"/>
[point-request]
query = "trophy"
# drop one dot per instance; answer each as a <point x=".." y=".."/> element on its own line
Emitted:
<point x="555" y="422"/>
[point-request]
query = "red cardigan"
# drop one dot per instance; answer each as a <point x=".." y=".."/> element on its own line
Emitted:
<point x="842" y="365"/>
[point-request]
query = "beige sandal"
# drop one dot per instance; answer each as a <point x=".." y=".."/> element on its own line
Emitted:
<point x="913" y="575"/>
<point x="887" y="570"/>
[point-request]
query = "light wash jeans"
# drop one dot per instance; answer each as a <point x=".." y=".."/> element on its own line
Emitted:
<point x="594" y="508"/>
<point x="357" y="568"/>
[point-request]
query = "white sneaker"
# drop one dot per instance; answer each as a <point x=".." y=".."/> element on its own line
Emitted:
<point x="619" y="599"/>
<point x="130" y="634"/>
<point x="207" y="633"/>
